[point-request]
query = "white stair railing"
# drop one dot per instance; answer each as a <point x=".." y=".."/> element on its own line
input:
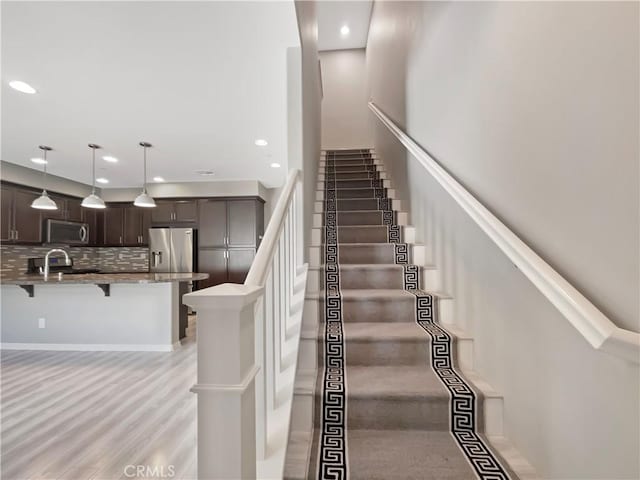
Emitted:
<point x="244" y="383"/>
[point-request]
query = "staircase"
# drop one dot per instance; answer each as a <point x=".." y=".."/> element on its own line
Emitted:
<point x="388" y="400"/>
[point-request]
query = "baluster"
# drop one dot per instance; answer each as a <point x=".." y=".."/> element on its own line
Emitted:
<point x="287" y="276"/>
<point x="283" y="301"/>
<point x="277" y="324"/>
<point x="260" y="381"/>
<point x="269" y="341"/>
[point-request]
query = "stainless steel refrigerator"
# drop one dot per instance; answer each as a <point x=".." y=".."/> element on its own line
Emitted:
<point x="172" y="250"/>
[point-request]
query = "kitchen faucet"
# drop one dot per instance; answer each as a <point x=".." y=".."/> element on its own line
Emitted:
<point x="46" y="260"/>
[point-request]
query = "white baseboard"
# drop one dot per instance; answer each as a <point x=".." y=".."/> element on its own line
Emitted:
<point x="89" y="347"/>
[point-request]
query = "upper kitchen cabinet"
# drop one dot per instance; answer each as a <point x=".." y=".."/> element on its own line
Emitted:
<point x="6" y="214"/>
<point x="230" y="223"/>
<point x="126" y="225"/>
<point x="174" y="211"/>
<point x="136" y="225"/>
<point x="27" y="224"/>
<point x="20" y="222"/>
<point x="95" y="219"/>
<point x="212" y="228"/>
<point x="113" y="218"/>
<point x="245" y="223"/>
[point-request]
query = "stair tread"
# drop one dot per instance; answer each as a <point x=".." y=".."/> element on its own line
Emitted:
<point x="371" y="266"/>
<point x="394" y="382"/>
<point x="384" y="331"/>
<point x="373" y="294"/>
<point x="406" y="454"/>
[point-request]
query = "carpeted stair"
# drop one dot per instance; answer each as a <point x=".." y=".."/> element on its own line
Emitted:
<point x="389" y="403"/>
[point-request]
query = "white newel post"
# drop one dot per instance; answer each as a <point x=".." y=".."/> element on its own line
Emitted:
<point x="225" y="384"/>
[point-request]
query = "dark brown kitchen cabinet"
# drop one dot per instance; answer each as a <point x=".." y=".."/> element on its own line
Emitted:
<point x="162" y="213"/>
<point x="239" y="262"/>
<point x="6" y="215"/>
<point x="73" y="207"/>
<point x="114" y="225"/>
<point x="125" y="224"/>
<point x="95" y="220"/>
<point x="174" y="211"/>
<point x="68" y="209"/>
<point x="136" y="225"/>
<point x="229" y="233"/>
<point x="27" y="224"/>
<point x="20" y="222"/>
<point x="212" y="227"/>
<point x="185" y="211"/>
<point x="214" y="262"/>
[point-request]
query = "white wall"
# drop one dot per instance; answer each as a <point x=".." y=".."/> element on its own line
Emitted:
<point x="311" y="109"/>
<point x="345" y="116"/>
<point x="534" y="108"/>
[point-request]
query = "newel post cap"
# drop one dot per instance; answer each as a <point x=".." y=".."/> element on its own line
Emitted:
<point x="226" y="296"/>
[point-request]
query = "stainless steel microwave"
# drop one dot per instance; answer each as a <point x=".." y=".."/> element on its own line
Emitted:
<point x="69" y="233"/>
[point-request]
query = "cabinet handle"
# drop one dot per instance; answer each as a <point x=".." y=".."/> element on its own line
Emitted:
<point x="17" y="235"/>
<point x="120" y="239"/>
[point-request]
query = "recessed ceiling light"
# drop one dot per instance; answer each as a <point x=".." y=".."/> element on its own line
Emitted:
<point x="102" y="180"/>
<point x="261" y="142"/>
<point x="158" y="179"/>
<point x="345" y="30"/>
<point x="22" y="86"/>
<point x="275" y="165"/>
<point x="39" y="161"/>
<point x="109" y="158"/>
<point x="205" y="173"/>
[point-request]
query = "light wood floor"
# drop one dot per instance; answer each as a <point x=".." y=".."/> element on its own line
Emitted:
<point x="87" y="415"/>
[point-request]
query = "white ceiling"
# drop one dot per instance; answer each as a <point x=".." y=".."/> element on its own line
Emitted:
<point x="199" y="80"/>
<point x="332" y="15"/>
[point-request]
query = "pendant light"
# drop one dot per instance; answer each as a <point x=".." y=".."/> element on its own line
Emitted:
<point x="144" y="199"/>
<point x="44" y="202"/>
<point x="93" y="200"/>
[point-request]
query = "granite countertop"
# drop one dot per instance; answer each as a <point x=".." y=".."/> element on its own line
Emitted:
<point x="100" y="278"/>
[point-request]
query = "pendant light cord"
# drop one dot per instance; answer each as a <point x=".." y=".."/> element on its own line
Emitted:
<point x="93" y="172"/>
<point x="144" y="181"/>
<point x="44" y="176"/>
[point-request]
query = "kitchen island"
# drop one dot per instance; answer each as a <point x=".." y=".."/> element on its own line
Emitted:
<point x="107" y="311"/>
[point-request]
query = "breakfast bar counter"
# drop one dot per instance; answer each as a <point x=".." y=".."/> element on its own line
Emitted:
<point x="129" y="311"/>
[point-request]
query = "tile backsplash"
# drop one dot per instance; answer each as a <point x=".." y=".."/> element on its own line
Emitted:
<point x="13" y="258"/>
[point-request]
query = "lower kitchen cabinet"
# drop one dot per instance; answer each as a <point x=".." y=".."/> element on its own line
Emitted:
<point x="224" y="265"/>
<point x="213" y="262"/>
<point x="238" y="264"/>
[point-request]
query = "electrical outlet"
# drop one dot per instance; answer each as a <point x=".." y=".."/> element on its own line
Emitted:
<point x="42" y="323"/>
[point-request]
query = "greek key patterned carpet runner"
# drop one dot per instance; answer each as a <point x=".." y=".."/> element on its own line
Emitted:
<point x="390" y="403"/>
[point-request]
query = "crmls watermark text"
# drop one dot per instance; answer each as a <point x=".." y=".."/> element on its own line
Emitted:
<point x="149" y="471"/>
